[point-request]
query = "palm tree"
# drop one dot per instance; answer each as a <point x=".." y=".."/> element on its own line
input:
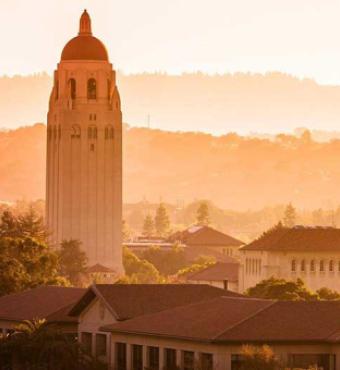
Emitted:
<point x="38" y="345"/>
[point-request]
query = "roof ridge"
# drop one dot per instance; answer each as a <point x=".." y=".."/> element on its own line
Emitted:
<point x="98" y="293"/>
<point x="270" y="304"/>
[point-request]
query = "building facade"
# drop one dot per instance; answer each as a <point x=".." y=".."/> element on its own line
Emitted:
<point x="84" y="151"/>
<point x="308" y="253"/>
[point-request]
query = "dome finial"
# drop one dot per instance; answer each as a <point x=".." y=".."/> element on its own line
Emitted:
<point x="85" y="24"/>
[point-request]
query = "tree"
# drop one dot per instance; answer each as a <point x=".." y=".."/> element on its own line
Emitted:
<point x="167" y="262"/>
<point x="148" y="226"/>
<point x="32" y="225"/>
<point x="162" y="221"/>
<point x="28" y="224"/>
<point x="138" y="271"/>
<point x="203" y="217"/>
<point x="289" y="218"/>
<point x="9" y="225"/>
<point x="327" y="294"/>
<point x="282" y="290"/>
<point x="27" y="263"/>
<point x="126" y="232"/>
<point x="258" y="358"/>
<point x="37" y="345"/>
<point x="201" y="263"/>
<point x="72" y="261"/>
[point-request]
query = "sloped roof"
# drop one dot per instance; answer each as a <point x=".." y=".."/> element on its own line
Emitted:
<point x="241" y="320"/>
<point x="218" y="272"/>
<point x="37" y="303"/>
<point x="204" y="235"/>
<point x="128" y="301"/>
<point x="298" y="238"/>
<point x="98" y="268"/>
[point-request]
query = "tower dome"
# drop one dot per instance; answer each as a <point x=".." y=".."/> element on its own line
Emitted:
<point x="85" y="46"/>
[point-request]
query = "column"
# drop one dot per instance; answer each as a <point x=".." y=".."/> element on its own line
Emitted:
<point x="222" y="361"/>
<point x="93" y="344"/>
<point x="161" y="358"/>
<point x="145" y="357"/>
<point x="112" y="354"/>
<point x="129" y="356"/>
<point x="179" y="358"/>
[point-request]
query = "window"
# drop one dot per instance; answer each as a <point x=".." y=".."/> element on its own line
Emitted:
<point x="170" y="359"/>
<point x="137" y="357"/>
<point x="293" y="266"/>
<point x="153" y="355"/>
<point x="100" y="345"/>
<point x="303" y="266"/>
<point x="72" y="87"/>
<point x="331" y="266"/>
<point x="188" y="360"/>
<point x="75" y="133"/>
<point x="92" y="132"/>
<point x="206" y="361"/>
<point x="322" y="266"/>
<point x="225" y="284"/>
<point x="109" y="133"/>
<point x="120" y="356"/>
<point x="312" y="265"/>
<point x="91" y="89"/>
<point x="86" y="341"/>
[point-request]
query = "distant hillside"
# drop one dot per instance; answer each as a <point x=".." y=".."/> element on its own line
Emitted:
<point x="194" y="102"/>
<point x="234" y="172"/>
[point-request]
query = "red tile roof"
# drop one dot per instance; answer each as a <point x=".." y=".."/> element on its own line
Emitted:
<point x="298" y="238"/>
<point x="199" y="321"/>
<point x="128" y="301"/>
<point x="37" y="303"/>
<point x="218" y="272"/>
<point x="204" y="235"/>
<point x="241" y="320"/>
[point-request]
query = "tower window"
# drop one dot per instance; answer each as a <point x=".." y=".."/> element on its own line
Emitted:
<point x="72" y="87"/>
<point x="91" y="89"/>
<point x="293" y="266"/>
<point x="92" y="132"/>
<point x="109" y="133"/>
<point x="56" y="89"/>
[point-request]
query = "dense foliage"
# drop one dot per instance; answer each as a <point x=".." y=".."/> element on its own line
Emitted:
<point x="37" y="345"/>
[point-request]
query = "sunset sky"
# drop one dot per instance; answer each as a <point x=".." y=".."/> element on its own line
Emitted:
<point x="301" y="37"/>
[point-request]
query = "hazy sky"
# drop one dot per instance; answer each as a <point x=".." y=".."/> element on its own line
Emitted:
<point x="301" y="37"/>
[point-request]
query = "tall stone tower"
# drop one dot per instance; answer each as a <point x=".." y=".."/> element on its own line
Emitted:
<point x="84" y="151"/>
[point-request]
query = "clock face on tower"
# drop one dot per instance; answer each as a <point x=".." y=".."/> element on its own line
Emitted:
<point x="84" y="152"/>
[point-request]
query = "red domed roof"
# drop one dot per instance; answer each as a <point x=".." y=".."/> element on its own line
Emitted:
<point x="85" y="46"/>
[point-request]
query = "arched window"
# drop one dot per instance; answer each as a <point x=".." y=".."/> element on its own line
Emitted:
<point x="91" y="89"/>
<point x="75" y="132"/>
<point x="72" y="87"/>
<point x="331" y="266"/>
<point x="322" y="266"/>
<point x="312" y="265"/>
<point x="303" y="266"/>
<point x="109" y="134"/>
<point x="92" y="132"/>
<point x="293" y="266"/>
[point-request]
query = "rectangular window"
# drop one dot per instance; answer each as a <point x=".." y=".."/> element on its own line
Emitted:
<point x="137" y="357"/>
<point x="120" y="356"/>
<point x="188" y="360"/>
<point x="153" y="356"/>
<point x="86" y="341"/>
<point x="305" y="361"/>
<point x="170" y="359"/>
<point x="101" y="345"/>
<point x="206" y="361"/>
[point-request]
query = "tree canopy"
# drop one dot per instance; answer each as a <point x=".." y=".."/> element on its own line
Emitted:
<point x="203" y="217"/>
<point x="282" y="290"/>
<point x="162" y="221"/>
